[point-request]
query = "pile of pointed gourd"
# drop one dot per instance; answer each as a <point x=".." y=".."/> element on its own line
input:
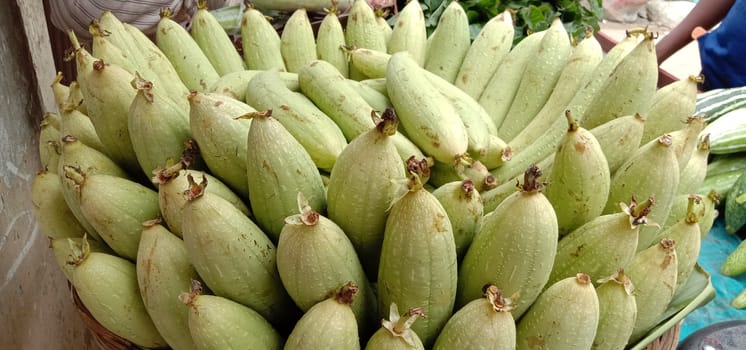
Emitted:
<point x="368" y="186"/>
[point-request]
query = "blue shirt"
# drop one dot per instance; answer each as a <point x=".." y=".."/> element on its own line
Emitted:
<point x="723" y="51"/>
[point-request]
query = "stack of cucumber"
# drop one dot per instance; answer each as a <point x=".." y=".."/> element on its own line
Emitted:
<point x="370" y="187"/>
<point x="726" y="173"/>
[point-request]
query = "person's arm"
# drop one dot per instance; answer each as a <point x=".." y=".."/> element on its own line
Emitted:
<point x="705" y="14"/>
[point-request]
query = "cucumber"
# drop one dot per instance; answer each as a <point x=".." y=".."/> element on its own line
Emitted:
<point x="396" y="332"/>
<point x="619" y="139"/>
<point x="107" y="286"/>
<point x="309" y="236"/>
<point x="214" y="41"/>
<point x="515" y="248"/>
<point x="362" y="31"/>
<point x="297" y="42"/>
<point x="448" y="46"/>
<point x="715" y="103"/>
<point x="190" y="63"/>
<point x="234" y="84"/>
<point x="671" y="105"/>
<point x="319" y="135"/>
<point x="225" y="246"/>
<point x="329" y="324"/>
<point x="485" y="54"/>
<point x="277" y="169"/>
<point x="538" y="80"/>
<point x="115" y="207"/>
<point x="482" y="323"/>
<point x="221" y="137"/>
<point x="724" y="133"/>
<point x="418" y="262"/>
<point x="360" y="208"/>
<point x="429" y="120"/>
<point x="261" y="43"/>
<point x="687" y="236"/>
<point x="409" y="32"/>
<point x="74" y="122"/>
<point x="603" y="245"/>
<point x="163" y="273"/>
<point x="329" y="41"/>
<point x="220" y="323"/>
<point x="66" y="249"/>
<point x="565" y="316"/>
<point x="653" y="272"/>
<point x="694" y="172"/>
<point x="735" y="205"/>
<point x="617" y="312"/>
<point x="52" y="213"/>
<point x="735" y="264"/>
<point x="464" y="207"/>
<point x="49" y="142"/>
<point x="158" y="126"/>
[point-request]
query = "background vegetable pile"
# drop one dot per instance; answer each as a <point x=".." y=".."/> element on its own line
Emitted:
<point x="373" y="186"/>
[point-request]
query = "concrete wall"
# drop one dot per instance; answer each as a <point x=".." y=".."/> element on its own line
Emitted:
<point x="36" y="310"/>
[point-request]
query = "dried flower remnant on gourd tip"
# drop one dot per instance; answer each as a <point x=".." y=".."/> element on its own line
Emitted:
<point x="195" y="189"/>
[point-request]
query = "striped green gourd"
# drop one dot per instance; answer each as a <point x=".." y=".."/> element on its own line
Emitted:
<point x="216" y="323"/>
<point x="515" y="248"/>
<point x="603" y="245"/>
<point x="482" y="323"/>
<point x="116" y="208"/>
<point x="717" y="102"/>
<point x="617" y="312"/>
<point x="726" y="132"/>
<point x="260" y="42"/>
<point x="418" y="258"/>
<point x="188" y="60"/>
<point x="653" y="272"/>
<point x="735" y="210"/>
<point x="214" y="41"/>
<point x="319" y="135"/>
<point x="485" y="54"/>
<point x="221" y="137"/>
<point x="360" y="208"/>
<point x="409" y="32"/>
<point x="107" y="286"/>
<point x="278" y="168"/>
<point x="580" y="179"/>
<point x="163" y="273"/>
<point x="225" y="247"/>
<point x="651" y="172"/>
<point x="329" y="324"/>
<point x="297" y="42"/>
<point x="565" y="316"/>
<point x="396" y="331"/>
<point x="448" y="45"/>
<point x="464" y="207"/>
<point x="309" y="236"/>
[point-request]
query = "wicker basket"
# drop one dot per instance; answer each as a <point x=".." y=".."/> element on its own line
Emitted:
<point x="107" y="340"/>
